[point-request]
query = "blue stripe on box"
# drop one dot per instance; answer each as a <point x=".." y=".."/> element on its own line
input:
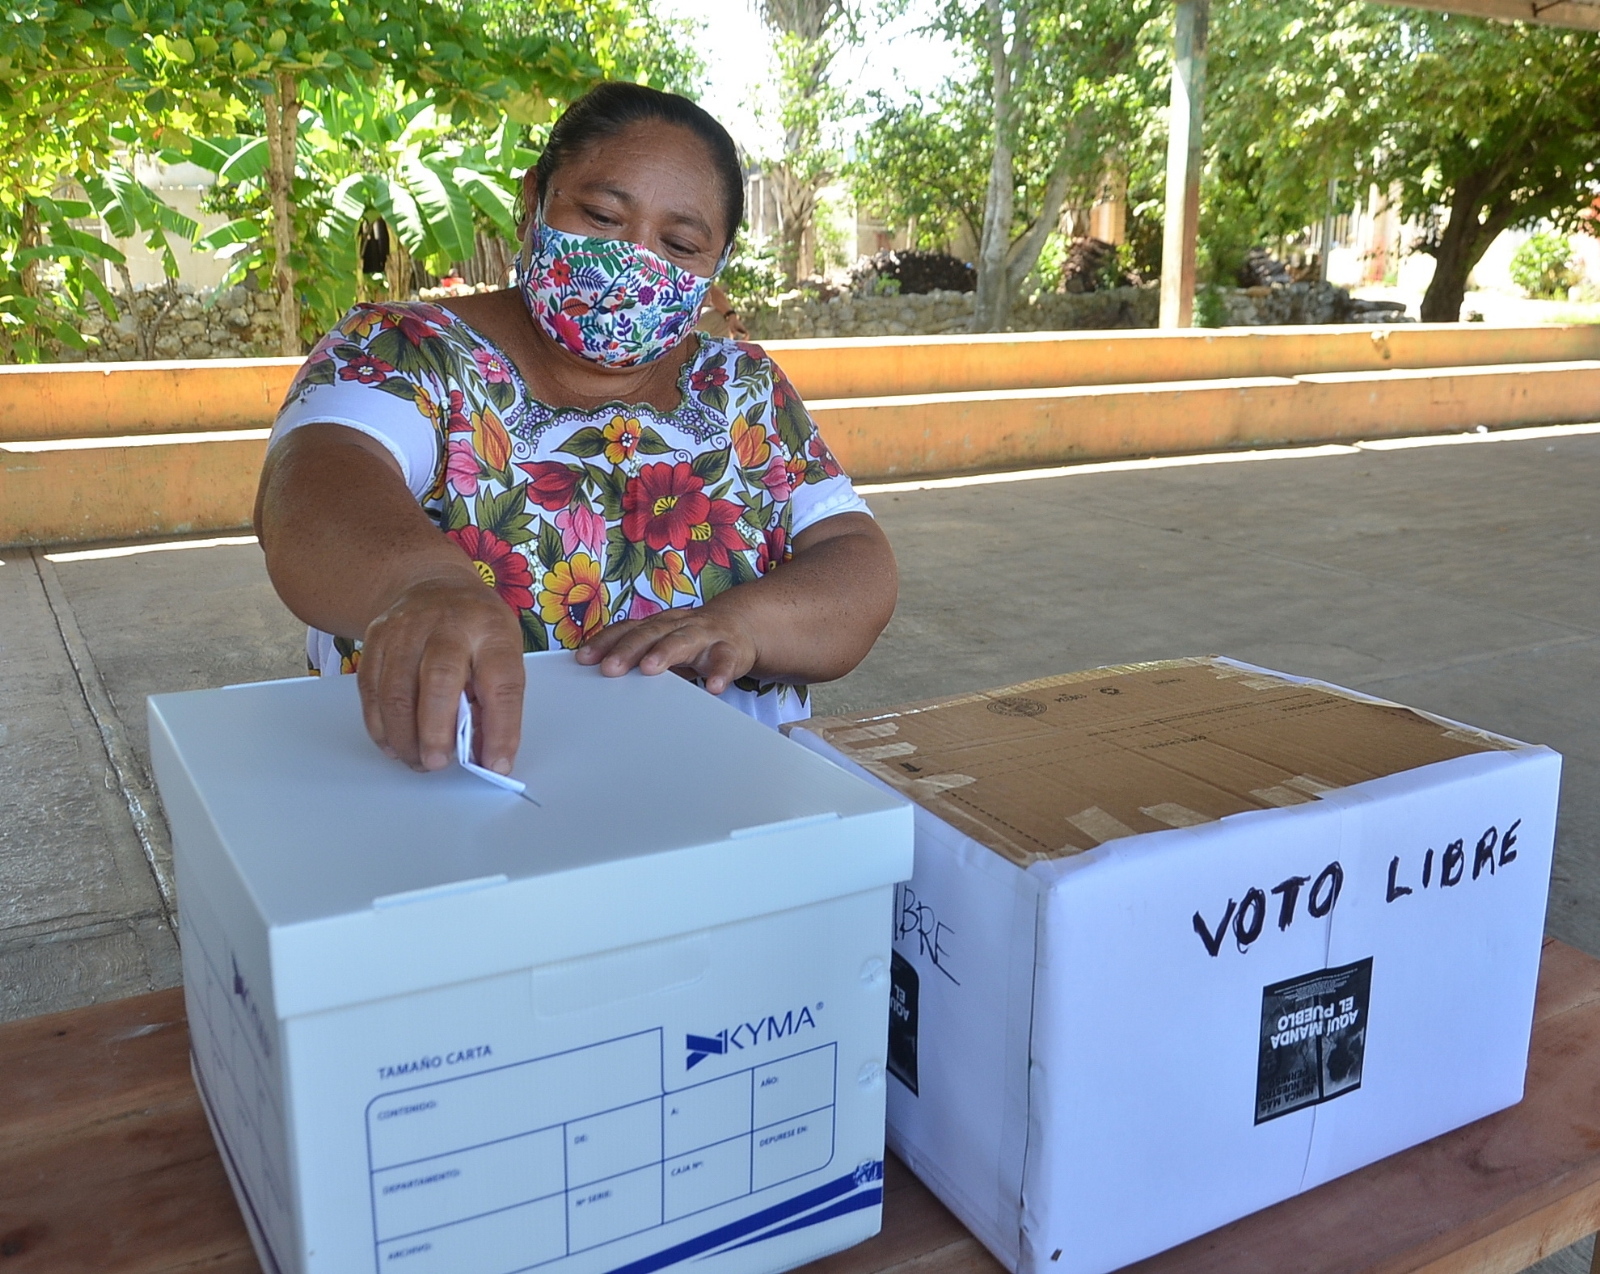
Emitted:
<point x="778" y="1212"/>
<point x="866" y="1199"/>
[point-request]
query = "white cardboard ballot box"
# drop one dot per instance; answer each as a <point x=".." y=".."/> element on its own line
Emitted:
<point x="442" y="1029"/>
<point x="1185" y="939"/>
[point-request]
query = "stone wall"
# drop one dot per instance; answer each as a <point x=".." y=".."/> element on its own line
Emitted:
<point x="176" y="321"/>
<point x="946" y="313"/>
<point x="1290" y="304"/>
<point x="949" y="313"/>
<point x="242" y="322"/>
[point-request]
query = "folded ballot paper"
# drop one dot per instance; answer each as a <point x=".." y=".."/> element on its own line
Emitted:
<point x="467" y="758"/>
<point x="1187" y="938"/>
<point x="629" y="1019"/>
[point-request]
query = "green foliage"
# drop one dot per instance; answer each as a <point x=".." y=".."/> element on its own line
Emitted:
<point x="624" y="39"/>
<point x="84" y="82"/>
<point x="64" y="113"/>
<point x="1050" y="268"/>
<point x="1288" y="107"/>
<point x="924" y="165"/>
<point x="365" y="156"/>
<point x="1210" y="308"/>
<point x="130" y="209"/>
<point x="811" y="109"/>
<point x="1543" y="268"/>
<point x="231" y="52"/>
<point x="1116" y="268"/>
<point x="833" y="228"/>
<point x="1060" y="92"/>
<point x="1146" y="214"/>
<point x="1051" y="272"/>
<point x="39" y="230"/>
<point x="325" y="287"/>
<point x="752" y="275"/>
<point x="1231" y="223"/>
<point x="1497" y="122"/>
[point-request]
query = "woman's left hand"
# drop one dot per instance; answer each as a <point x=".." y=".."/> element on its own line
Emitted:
<point x="715" y="642"/>
<point x="811" y="619"/>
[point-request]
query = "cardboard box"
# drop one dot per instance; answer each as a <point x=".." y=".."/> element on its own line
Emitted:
<point x="1187" y="938"/>
<point x="441" y="1029"/>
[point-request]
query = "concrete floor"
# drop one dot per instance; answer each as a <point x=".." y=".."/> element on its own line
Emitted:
<point x="1464" y="579"/>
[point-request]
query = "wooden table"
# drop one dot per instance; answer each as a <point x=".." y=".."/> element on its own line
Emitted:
<point x="106" y="1165"/>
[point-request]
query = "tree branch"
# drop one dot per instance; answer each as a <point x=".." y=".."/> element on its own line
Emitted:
<point x="1024" y="253"/>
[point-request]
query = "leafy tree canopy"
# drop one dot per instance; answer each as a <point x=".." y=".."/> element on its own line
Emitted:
<point x="1068" y="89"/>
<point x="224" y="83"/>
<point x="924" y="164"/>
<point x="1497" y="123"/>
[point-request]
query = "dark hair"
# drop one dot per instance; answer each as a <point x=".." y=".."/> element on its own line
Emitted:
<point x="610" y="108"/>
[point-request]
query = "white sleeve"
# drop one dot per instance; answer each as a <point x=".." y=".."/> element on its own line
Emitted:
<point x="407" y="434"/>
<point x="814" y="502"/>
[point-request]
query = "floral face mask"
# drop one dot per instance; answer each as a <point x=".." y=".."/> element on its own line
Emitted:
<point x="606" y="300"/>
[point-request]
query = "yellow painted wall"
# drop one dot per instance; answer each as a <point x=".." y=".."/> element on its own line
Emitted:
<point x="127" y="493"/>
<point x="124" y="491"/>
<point x="110" y="400"/>
<point x="116" y="399"/>
<point x="1014" y="429"/>
<point x="944" y="364"/>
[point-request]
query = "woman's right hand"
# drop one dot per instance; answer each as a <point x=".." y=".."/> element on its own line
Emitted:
<point x="352" y="553"/>
<point x="443" y="634"/>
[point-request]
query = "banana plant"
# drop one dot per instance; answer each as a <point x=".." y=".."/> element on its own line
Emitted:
<point x="433" y="191"/>
<point x="240" y="163"/>
<point x="247" y="241"/>
<point x="129" y="208"/>
<point x="366" y="158"/>
<point x="39" y="230"/>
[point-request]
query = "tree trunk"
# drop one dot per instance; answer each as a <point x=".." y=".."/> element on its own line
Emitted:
<point x="1024" y="253"/>
<point x="1461" y="246"/>
<point x="147" y="325"/>
<point x="492" y="259"/>
<point x="30" y="237"/>
<point x="129" y="301"/>
<point x="1185" y="158"/>
<point x="282" y="110"/>
<point x="993" y="303"/>
<point x="397" y="270"/>
<point x="797" y="204"/>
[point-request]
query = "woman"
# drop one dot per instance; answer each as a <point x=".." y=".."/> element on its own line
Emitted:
<point x="625" y="487"/>
<point x="720" y="317"/>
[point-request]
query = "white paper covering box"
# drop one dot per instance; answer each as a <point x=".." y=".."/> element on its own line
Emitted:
<point x="440" y="1029"/>
<point x="1185" y="939"/>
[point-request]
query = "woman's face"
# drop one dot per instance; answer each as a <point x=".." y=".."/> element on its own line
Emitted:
<point x="652" y="184"/>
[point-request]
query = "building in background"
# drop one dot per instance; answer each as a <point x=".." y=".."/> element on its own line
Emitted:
<point x="182" y="186"/>
<point x="1372" y="246"/>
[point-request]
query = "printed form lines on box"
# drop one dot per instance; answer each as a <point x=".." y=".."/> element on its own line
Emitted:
<point x="223" y="1034"/>
<point x="598" y="1150"/>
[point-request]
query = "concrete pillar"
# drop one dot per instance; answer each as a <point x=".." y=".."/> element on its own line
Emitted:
<point x="1183" y="163"/>
<point x="1327" y="227"/>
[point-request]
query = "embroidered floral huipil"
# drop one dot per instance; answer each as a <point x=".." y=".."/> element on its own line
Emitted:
<point x="577" y="518"/>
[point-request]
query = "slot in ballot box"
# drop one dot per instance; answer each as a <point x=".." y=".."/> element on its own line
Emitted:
<point x="631" y="1020"/>
<point x="1187" y="938"/>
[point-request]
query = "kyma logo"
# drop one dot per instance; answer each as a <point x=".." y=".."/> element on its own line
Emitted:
<point x="703" y="1046"/>
<point x="747" y="1035"/>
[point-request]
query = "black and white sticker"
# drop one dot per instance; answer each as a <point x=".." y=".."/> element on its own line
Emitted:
<point x="1313" y="1038"/>
<point x="903" y="1021"/>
